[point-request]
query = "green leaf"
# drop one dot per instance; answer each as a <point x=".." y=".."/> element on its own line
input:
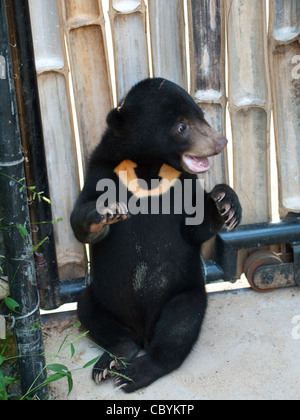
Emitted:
<point x="3" y="393"/>
<point x="72" y="350"/>
<point x="8" y="380"/>
<point x="58" y="368"/>
<point x="91" y="362"/>
<point x="2" y="360"/>
<point x="61" y="372"/>
<point x="60" y="219"/>
<point x="70" y="383"/>
<point x="11" y="304"/>
<point x="36" y="247"/>
<point x="55" y="377"/>
<point x="23" y="231"/>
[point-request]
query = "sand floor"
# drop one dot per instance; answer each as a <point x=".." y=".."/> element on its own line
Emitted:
<point x="249" y="349"/>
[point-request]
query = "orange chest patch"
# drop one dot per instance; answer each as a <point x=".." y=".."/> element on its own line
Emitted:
<point x="127" y="175"/>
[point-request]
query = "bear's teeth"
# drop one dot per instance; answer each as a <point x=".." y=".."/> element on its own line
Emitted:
<point x="195" y="164"/>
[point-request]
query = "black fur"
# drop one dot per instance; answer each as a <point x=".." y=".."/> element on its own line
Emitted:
<point x="148" y="289"/>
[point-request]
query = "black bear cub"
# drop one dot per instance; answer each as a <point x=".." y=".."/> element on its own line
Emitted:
<point x="140" y="210"/>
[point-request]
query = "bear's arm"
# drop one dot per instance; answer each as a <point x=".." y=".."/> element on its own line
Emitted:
<point x="211" y="225"/>
<point x="85" y="212"/>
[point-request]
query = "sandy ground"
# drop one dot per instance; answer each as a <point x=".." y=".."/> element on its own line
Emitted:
<point x="249" y="349"/>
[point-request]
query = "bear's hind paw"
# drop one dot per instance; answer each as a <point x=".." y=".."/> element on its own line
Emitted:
<point x="100" y="373"/>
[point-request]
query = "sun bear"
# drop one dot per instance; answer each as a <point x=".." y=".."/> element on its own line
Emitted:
<point x="140" y="211"/>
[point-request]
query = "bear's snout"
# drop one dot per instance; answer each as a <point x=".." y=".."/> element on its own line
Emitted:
<point x="222" y="143"/>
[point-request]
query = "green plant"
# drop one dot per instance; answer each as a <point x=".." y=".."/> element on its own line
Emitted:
<point x="59" y="370"/>
<point x="7" y="370"/>
<point x="7" y="348"/>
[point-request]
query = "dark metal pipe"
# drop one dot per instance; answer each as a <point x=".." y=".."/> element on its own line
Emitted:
<point x="265" y="234"/>
<point x="70" y="290"/>
<point x="224" y="266"/>
<point x="14" y="211"/>
<point x="212" y="272"/>
<point x="32" y="142"/>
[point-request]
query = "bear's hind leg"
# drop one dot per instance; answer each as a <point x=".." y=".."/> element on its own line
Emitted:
<point x="175" y="333"/>
<point x="118" y="344"/>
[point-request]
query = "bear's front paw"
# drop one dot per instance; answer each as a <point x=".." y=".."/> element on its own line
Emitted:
<point x="228" y="205"/>
<point x="114" y="213"/>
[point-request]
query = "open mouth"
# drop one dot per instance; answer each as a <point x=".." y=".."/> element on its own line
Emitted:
<point x="196" y="164"/>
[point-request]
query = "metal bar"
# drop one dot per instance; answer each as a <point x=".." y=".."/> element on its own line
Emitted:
<point x="264" y="234"/>
<point x="32" y="142"/>
<point x="14" y="211"/>
<point x="70" y="290"/>
<point x="296" y="248"/>
<point x="212" y="272"/>
<point x="228" y="244"/>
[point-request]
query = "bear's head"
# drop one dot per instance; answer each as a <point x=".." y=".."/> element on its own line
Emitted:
<point x="158" y="120"/>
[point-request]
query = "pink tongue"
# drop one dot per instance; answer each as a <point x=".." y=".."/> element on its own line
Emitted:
<point x="195" y="164"/>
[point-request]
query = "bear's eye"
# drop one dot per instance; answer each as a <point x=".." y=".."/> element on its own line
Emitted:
<point x="181" y="128"/>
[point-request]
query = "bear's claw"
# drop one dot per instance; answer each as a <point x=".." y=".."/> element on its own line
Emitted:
<point x="115" y="213"/>
<point x="228" y="205"/>
<point x="100" y="375"/>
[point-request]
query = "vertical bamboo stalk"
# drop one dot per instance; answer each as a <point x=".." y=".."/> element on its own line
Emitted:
<point x="208" y="73"/>
<point x="14" y="211"/>
<point x="207" y="55"/>
<point x="167" y="29"/>
<point x="128" y="22"/>
<point x="284" y="32"/>
<point x="52" y="74"/>
<point x="250" y="106"/>
<point x="83" y="26"/>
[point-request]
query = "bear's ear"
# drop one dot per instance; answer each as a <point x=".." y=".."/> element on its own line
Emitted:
<point x="115" y="119"/>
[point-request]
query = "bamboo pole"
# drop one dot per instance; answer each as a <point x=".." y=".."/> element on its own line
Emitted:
<point x="207" y="56"/>
<point x="83" y="25"/>
<point x="33" y="144"/>
<point x="284" y="50"/>
<point x="250" y="106"/>
<point x="128" y="23"/>
<point x="14" y="211"/>
<point x="167" y="28"/>
<point x="53" y="82"/>
<point x="207" y="22"/>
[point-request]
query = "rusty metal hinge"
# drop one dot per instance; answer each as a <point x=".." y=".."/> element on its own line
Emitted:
<point x="41" y="269"/>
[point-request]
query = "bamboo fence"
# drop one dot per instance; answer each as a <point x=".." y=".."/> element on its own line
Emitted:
<point x="167" y="29"/>
<point x="89" y="53"/>
<point x="284" y="36"/>
<point x="82" y="24"/>
<point x="58" y="128"/>
<point x="128" y="22"/>
<point x="207" y="46"/>
<point x="249" y="106"/>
